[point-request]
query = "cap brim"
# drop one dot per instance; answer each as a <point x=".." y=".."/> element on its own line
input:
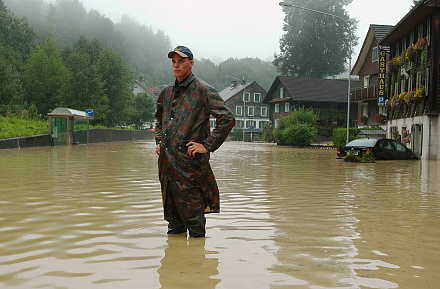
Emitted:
<point x="171" y="53"/>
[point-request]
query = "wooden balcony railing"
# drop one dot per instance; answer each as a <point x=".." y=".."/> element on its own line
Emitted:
<point x="364" y="93"/>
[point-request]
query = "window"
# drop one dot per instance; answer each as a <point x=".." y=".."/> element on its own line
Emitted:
<point x="251" y="124"/>
<point x="239" y="123"/>
<point x="399" y="147"/>
<point x="366" y="81"/>
<point x="264" y="111"/>
<point x="427" y="81"/>
<point x="277" y="108"/>
<point x="420" y="30"/>
<point x="382" y="109"/>
<point x="428" y="31"/>
<point x="246" y="96"/>
<point x="251" y="110"/>
<point x="212" y="123"/>
<point x="375" y="54"/>
<point x="263" y="123"/>
<point x="238" y="110"/>
<point x="257" y="97"/>
<point x="418" y="79"/>
<point x="286" y="107"/>
<point x="364" y="108"/>
<point x="403" y="85"/>
<point x="281" y="92"/>
<point x="404" y="46"/>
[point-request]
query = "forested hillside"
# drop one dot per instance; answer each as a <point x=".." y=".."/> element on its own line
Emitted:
<point x="60" y="54"/>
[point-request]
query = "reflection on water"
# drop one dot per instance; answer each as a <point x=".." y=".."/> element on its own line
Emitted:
<point x="91" y="217"/>
<point x="186" y="262"/>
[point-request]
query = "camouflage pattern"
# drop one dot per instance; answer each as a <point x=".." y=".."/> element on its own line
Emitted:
<point x="182" y="116"/>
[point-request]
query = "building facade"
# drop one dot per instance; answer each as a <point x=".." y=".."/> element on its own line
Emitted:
<point x="413" y="102"/>
<point x="370" y="66"/>
<point x="324" y="95"/>
<point x="246" y="102"/>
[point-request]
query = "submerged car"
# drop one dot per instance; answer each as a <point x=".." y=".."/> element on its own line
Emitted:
<point x="382" y="149"/>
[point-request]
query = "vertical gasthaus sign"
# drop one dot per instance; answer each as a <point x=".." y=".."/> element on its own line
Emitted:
<point x="382" y="74"/>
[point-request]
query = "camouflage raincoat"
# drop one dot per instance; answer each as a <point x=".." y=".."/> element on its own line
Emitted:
<point x="182" y="116"/>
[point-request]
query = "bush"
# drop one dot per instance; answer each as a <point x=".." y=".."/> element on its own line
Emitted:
<point x="298" y="128"/>
<point x="267" y="134"/>
<point x="236" y="134"/>
<point x="340" y="136"/>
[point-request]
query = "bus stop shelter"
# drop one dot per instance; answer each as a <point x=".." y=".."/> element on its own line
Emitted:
<point x="69" y="126"/>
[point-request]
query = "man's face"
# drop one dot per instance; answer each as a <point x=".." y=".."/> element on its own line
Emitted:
<point x="181" y="66"/>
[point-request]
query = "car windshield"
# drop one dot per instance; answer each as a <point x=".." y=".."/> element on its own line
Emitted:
<point x="362" y="142"/>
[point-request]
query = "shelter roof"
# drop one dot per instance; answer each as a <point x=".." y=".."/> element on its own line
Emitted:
<point x="69" y="112"/>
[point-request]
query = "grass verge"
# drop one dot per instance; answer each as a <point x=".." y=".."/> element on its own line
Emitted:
<point x="12" y="126"/>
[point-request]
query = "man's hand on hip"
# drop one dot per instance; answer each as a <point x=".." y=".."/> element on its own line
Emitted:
<point x="194" y="147"/>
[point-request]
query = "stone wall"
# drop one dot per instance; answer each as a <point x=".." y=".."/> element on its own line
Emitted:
<point x="97" y="135"/>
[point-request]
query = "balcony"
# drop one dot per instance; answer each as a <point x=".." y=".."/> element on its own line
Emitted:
<point x="364" y="93"/>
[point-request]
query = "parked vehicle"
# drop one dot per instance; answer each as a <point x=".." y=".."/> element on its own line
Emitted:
<point x="382" y="149"/>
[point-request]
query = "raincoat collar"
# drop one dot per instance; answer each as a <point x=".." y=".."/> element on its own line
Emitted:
<point x="186" y="81"/>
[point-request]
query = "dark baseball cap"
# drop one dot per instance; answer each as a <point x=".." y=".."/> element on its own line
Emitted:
<point x="182" y="51"/>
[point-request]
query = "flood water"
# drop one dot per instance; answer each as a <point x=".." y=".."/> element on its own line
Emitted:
<point x="91" y="217"/>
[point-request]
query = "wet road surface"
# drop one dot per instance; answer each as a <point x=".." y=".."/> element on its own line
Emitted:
<point x="91" y="217"/>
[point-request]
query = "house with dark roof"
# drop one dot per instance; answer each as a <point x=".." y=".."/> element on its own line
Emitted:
<point x="370" y="66"/>
<point x="413" y="79"/>
<point x="245" y="99"/>
<point x="330" y="95"/>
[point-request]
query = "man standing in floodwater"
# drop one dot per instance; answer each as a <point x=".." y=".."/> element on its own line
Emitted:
<point x="183" y="143"/>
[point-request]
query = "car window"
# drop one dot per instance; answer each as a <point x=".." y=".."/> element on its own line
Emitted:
<point x="388" y="145"/>
<point x="385" y="144"/>
<point x="399" y="147"/>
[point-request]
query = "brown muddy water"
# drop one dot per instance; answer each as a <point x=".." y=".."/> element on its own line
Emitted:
<point x="91" y="217"/>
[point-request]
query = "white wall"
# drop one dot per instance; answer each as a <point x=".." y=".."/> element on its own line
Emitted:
<point x="430" y="138"/>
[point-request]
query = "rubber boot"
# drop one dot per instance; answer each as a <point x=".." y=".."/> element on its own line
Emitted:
<point x="175" y="227"/>
<point x="196" y="226"/>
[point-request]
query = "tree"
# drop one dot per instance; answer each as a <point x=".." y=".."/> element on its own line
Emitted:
<point x="17" y="36"/>
<point x="44" y="77"/>
<point x="16" y="45"/>
<point x="144" y="108"/>
<point x="84" y="87"/>
<point x="3" y="7"/>
<point x="117" y="78"/>
<point x="314" y="44"/>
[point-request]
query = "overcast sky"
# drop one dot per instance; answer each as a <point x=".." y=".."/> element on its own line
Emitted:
<point x="235" y="28"/>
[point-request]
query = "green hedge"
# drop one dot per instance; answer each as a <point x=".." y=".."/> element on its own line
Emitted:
<point x="340" y="136"/>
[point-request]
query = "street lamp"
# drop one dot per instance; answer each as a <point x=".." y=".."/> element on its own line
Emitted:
<point x="284" y="4"/>
<point x="243" y="82"/>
